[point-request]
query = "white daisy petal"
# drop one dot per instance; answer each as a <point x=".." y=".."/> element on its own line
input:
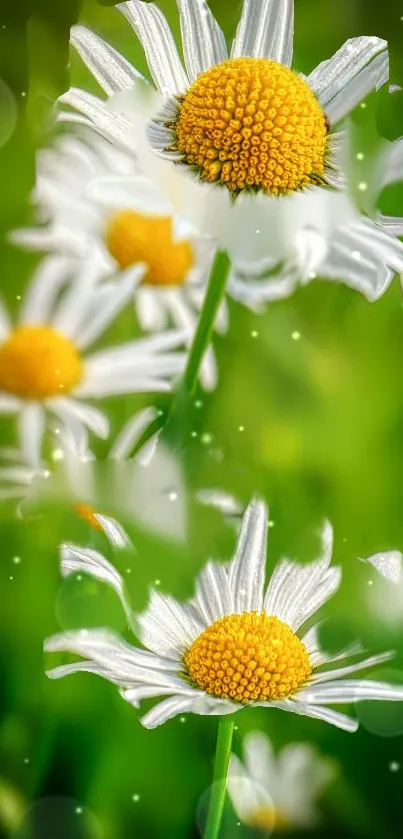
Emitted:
<point x="247" y="795"/>
<point x="159" y="46"/>
<point x="108" y="67"/>
<point x="389" y="564"/>
<point x="131" y="433"/>
<point x="171" y="685"/>
<point x="5" y="323"/>
<point x="329" y="675"/>
<point x="214" y="597"/>
<point x="359" y="66"/>
<point x="392" y="224"/>
<point x="135" y="192"/>
<point x="350" y="690"/>
<point x="95" y="113"/>
<point x="203" y="41"/>
<point x="259" y="758"/>
<point x="31" y="423"/>
<point x="150" y="310"/>
<point x="74" y="559"/>
<point x="71" y="309"/>
<point x="109" y="308"/>
<point x="266" y="30"/>
<point x="84" y="667"/>
<point x="10" y="404"/>
<point x="166" y="710"/>
<point x="39" y="299"/>
<point x="246" y="571"/>
<point x="113" y="530"/>
<point x="296" y="591"/>
<point x="168" y="627"/>
<point x="112" y="653"/>
<point x="304" y="709"/>
<point x="71" y="412"/>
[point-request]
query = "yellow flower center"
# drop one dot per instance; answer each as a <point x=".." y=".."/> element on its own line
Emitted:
<point x="267" y="818"/>
<point x="248" y="657"/>
<point x="37" y="361"/>
<point x="132" y="238"/>
<point x="251" y="123"/>
<point x="86" y="512"/>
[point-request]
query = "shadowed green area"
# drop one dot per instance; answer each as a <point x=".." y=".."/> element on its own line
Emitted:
<point x="308" y="414"/>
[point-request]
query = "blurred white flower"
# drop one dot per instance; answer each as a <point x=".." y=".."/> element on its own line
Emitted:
<point x="44" y="366"/>
<point x="148" y="489"/>
<point x="273" y="145"/>
<point x="277" y="792"/>
<point x="95" y="206"/>
<point x="234" y="644"/>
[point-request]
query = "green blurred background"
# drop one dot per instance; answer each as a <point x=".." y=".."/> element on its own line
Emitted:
<point x="308" y="413"/>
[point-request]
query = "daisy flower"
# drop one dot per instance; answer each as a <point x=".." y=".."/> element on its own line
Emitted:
<point x="246" y="126"/>
<point x="234" y="644"/>
<point x="277" y="792"/>
<point x="93" y="204"/>
<point x="44" y="366"/>
<point x="148" y="488"/>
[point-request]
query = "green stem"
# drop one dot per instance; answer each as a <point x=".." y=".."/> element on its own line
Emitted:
<point x="214" y="295"/>
<point x="218" y="790"/>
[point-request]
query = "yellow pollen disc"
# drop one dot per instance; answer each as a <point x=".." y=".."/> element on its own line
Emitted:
<point x="84" y="511"/>
<point x="251" y="123"/>
<point x="37" y="361"/>
<point x="248" y="657"/>
<point x="132" y="238"/>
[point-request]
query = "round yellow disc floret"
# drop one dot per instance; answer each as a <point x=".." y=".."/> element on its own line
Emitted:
<point x="37" y="361"/>
<point x="251" y="123"/>
<point x="86" y="512"/>
<point x="248" y="657"/>
<point x="133" y="238"/>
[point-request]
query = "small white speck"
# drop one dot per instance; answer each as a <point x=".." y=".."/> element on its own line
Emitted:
<point x="236" y="727"/>
<point x="271" y="523"/>
<point x="11" y="577"/>
<point x="16" y="560"/>
<point x="157" y="582"/>
<point x="83" y="632"/>
<point x="23" y="93"/>
<point x="46" y="474"/>
<point x="360" y="155"/>
<point x="198" y="403"/>
<point x="78" y="811"/>
<point x="238" y="824"/>
<point x="362" y="186"/>
<point x="370" y="582"/>
<point x="18" y="296"/>
<point x="57" y="430"/>
<point x="79" y="578"/>
<point x="241" y="428"/>
<point x="136" y="797"/>
<point x="193" y="434"/>
<point x="58" y="454"/>
<point x="173" y="496"/>
<point x="295" y="336"/>
<point x="26" y="760"/>
<point x="344" y="539"/>
<point x="257" y="231"/>
<point x="312" y="275"/>
<point x="254" y="333"/>
<point x="356" y="255"/>
<point x="206" y="439"/>
<point x="394" y="766"/>
<point x="128" y="570"/>
<point x="182" y="719"/>
<point x="160" y="413"/>
<point x="363" y="105"/>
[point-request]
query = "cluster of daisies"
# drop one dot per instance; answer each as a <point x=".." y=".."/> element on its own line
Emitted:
<point x="229" y="151"/>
